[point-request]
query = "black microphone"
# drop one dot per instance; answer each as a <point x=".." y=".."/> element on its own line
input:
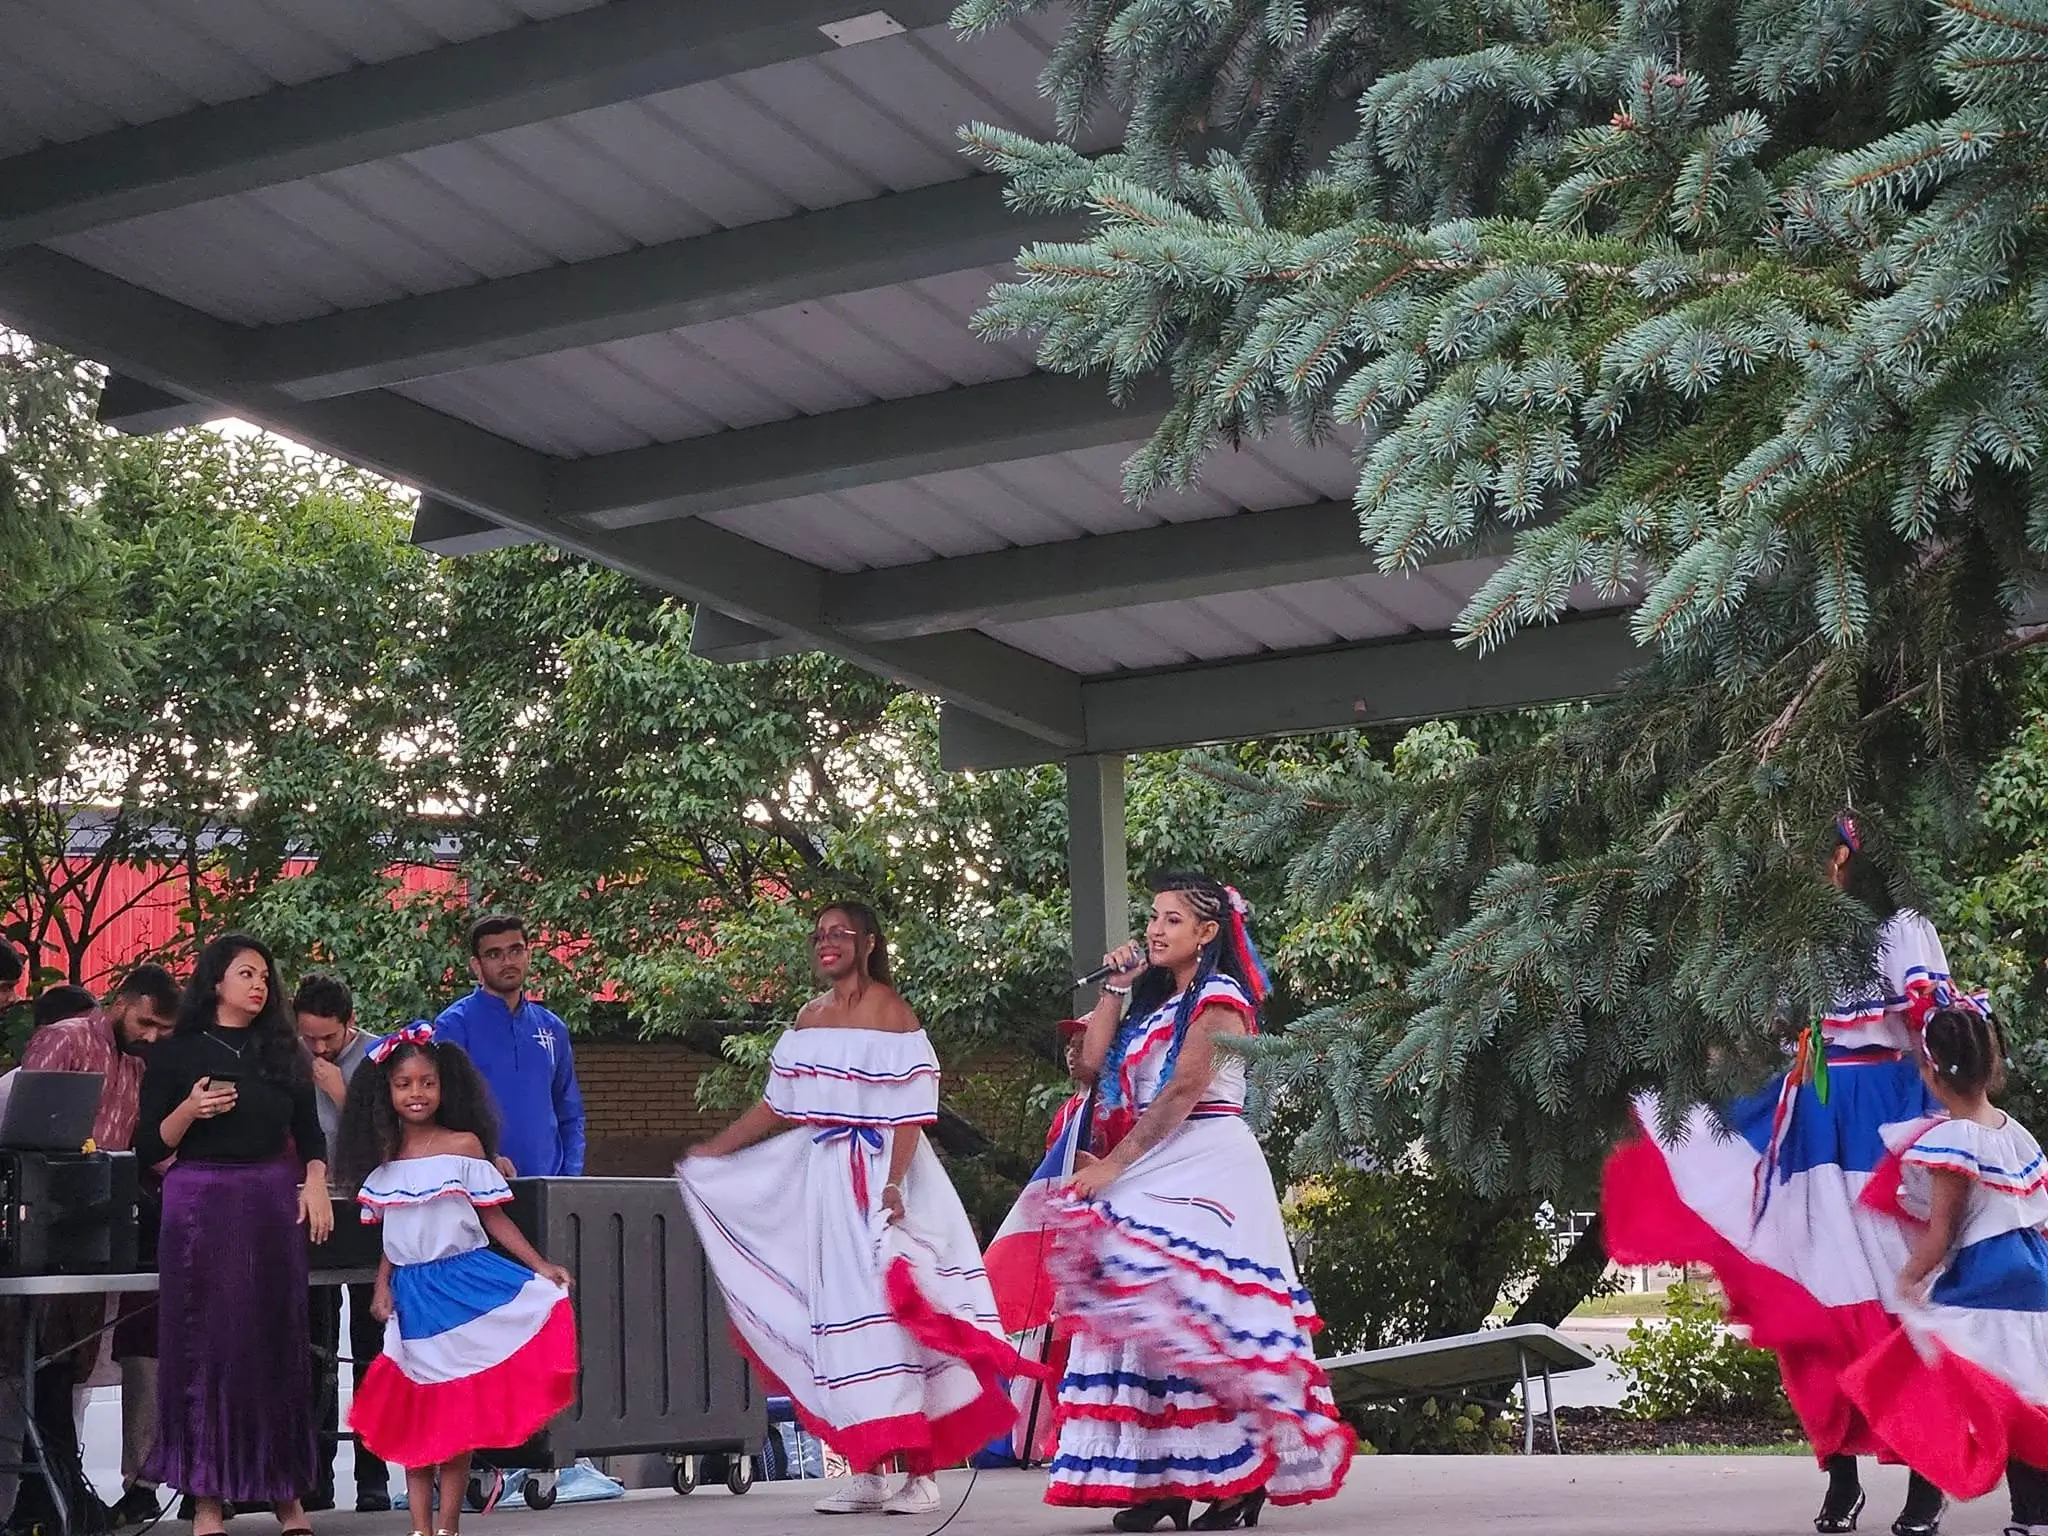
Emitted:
<point x="1102" y="973"/>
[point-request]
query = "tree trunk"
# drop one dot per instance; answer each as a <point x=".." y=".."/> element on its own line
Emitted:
<point x="1557" y="1295"/>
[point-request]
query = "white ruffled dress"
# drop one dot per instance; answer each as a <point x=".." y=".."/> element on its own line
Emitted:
<point x="884" y="1336"/>
<point x="480" y="1352"/>
<point x="1962" y="1385"/>
<point x="1191" y="1373"/>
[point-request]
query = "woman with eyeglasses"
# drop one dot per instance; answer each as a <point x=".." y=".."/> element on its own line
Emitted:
<point x="846" y="1259"/>
<point x="1777" y="1210"/>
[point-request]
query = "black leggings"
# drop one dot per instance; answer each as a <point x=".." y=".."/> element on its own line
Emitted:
<point x="2028" y="1486"/>
<point x="1923" y="1499"/>
<point x="2029" y="1489"/>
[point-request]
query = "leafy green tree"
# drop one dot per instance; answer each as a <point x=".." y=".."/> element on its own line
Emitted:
<point x="54" y="644"/>
<point x="1731" y="313"/>
<point x="252" y="596"/>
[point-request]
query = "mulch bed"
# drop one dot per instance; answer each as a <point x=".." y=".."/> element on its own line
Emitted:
<point x="1594" y="1431"/>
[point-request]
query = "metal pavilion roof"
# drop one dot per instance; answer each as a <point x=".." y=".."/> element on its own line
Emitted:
<point x="685" y="287"/>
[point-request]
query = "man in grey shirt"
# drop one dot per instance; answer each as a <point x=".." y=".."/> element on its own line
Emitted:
<point x="327" y="1024"/>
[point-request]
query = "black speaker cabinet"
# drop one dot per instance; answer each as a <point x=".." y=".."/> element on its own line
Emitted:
<point x="68" y="1213"/>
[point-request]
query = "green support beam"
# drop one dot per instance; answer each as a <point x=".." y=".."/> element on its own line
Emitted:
<point x="1098" y="874"/>
<point x="1025" y="418"/>
<point x="136" y="409"/>
<point x="442" y="528"/>
<point x="900" y="238"/>
<point x="1385" y="683"/>
<point x="1174" y="562"/>
<point x="716" y="636"/>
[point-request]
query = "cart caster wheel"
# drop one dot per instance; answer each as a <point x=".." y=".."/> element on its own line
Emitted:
<point x="683" y="1475"/>
<point x="541" y="1488"/>
<point x="739" y="1473"/>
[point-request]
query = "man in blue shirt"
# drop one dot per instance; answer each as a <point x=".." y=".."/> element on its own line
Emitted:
<point x="523" y="1052"/>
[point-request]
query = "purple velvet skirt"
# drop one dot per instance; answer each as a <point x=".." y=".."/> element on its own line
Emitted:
<point x="234" y="1374"/>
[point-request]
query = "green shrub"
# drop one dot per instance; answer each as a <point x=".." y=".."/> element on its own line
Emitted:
<point x="1431" y="1427"/>
<point x="1690" y="1367"/>
<point x="1397" y="1255"/>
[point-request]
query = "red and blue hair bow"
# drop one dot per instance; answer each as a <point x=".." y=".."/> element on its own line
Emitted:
<point x="418" y="1032"/>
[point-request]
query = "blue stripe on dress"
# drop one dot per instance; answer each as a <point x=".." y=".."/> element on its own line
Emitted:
<point x="1152" y="1386"/>
<point x="2006" y="1273"/>
<point x="1153" y="1466"/>
<point x="1847" y="1131"/>
<point x="445" y="1294"/>
<point x="1929" y="1150"/>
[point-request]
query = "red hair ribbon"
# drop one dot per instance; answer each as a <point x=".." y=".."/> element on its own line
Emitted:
<point x="418" y="1032"/>
<point x="1248" y="957"/>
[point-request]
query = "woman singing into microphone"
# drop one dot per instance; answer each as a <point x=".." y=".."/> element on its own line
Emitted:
<point x="1191" y="1375"/>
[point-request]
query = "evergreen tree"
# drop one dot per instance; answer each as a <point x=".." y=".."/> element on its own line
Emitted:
<point x="1731" y="313"/>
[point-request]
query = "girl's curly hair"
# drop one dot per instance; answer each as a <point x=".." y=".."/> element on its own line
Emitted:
<point x="371" y="1132"/>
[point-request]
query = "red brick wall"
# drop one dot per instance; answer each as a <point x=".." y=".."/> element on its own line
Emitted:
<point x="640" y="1105"/>
<point x="640" y="1102"/>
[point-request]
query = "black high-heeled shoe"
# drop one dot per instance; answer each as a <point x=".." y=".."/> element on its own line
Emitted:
<point x="1142" y="1517"/>
<point x="1925" y="1505"/>
<point x="1909" y="1524"/>
<point x="1229" y="1514"/>
<point x="1833" y="1521"/>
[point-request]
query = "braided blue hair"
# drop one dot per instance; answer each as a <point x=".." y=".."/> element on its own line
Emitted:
<point x="1229" y="954"/>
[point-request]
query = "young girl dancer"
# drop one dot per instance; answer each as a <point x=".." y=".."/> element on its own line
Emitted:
<point x="477" y="1350"/>
<point x="846" y="1260"/>
<point x="1962" y="1386"/>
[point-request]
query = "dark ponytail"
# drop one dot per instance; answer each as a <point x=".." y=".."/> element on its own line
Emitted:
<point x="1965" y="1050"/>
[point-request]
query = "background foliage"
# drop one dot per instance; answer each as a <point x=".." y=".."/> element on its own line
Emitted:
<point x="1689" y="1367"/>
<point x="1728" y="316"/>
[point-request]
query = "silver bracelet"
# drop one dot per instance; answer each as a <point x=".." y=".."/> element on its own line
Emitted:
<point x="1116" y="991"/>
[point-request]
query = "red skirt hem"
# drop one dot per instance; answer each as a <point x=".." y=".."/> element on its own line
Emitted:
<point x="924" y="1443"/>
<point x="1646" y="1222"/>
<point x="1959" y="1422"/>
<point x="423" y="1424"/>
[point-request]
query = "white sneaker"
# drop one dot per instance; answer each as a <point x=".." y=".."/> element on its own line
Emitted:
<point x="865" y="1493"/>
<point x="917" y="1496"/>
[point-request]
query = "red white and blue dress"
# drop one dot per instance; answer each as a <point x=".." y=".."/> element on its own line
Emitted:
<point x="1191" y="1373"/>
<point x="1962" y="1384"/>
<point x="480" y="1352"/>
<point x="1776" y="1210"/>
<point x="884" y="1335"/>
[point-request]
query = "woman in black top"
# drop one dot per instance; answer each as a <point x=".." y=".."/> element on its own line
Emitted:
<point x="231" y="1094"/>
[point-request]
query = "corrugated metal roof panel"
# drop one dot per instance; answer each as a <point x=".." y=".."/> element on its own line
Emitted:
<point x="74" y="68"/>
<point x="1026" y="501"/>
<point x="806" y="134"/>
<point x="1298" y="616"/>
<point x="800" y="360"/>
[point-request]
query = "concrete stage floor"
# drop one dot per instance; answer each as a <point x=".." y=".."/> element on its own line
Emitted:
<point x="1385" y="1496"/>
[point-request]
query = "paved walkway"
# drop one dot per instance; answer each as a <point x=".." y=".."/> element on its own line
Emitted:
<point x="1386" y="1496"/>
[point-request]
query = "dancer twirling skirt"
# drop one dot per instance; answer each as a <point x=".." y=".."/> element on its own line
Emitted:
<point x="1962" y="1387"/>
<point x="847" y="1262"/>
<point x="1191" y="1375"/>
<point x="1775" y="1210"/>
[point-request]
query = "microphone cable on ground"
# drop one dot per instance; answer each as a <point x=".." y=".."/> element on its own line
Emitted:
<point x="1037" y="1289"/>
